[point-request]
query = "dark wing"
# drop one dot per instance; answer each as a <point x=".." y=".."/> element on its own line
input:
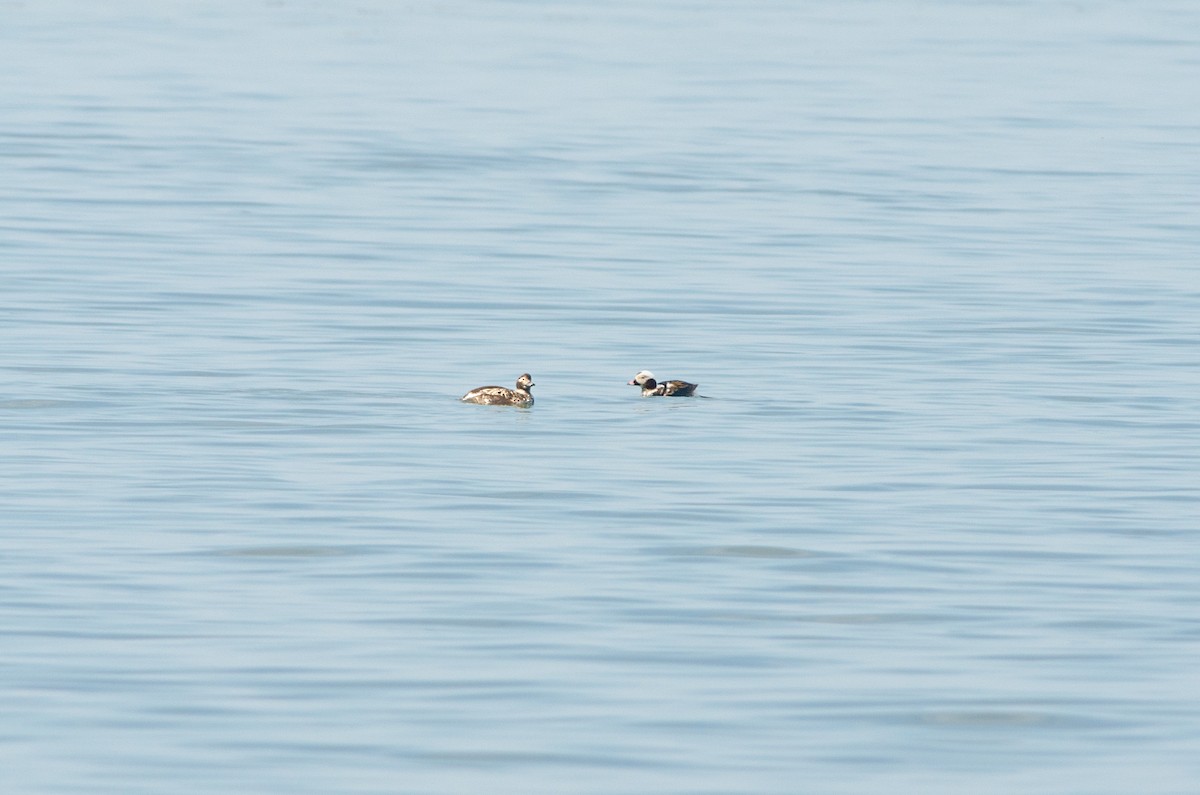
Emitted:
<point x="679" y="388"/>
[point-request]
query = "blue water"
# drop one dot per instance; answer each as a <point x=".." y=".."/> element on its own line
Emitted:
<point x="932" y="527"/>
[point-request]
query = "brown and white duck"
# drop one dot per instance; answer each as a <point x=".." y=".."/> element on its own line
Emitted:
<point x="652" y="388"/>
<point x="502" y="395"/>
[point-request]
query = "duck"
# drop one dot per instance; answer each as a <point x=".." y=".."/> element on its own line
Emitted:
<point x="502" y="395"/>
<point x="653" y="388"/>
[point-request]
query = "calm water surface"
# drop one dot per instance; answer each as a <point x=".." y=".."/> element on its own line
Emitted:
<point x="933" y="527"/>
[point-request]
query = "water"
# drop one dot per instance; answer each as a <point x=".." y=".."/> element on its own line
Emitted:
<point x="931" y="529"/>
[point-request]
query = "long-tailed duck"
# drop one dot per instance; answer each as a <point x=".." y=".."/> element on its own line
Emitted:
<point x="502" y="395"/>
<point x="652" y="388"/>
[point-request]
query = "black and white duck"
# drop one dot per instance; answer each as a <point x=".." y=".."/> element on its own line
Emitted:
<point x="652" y="388"/>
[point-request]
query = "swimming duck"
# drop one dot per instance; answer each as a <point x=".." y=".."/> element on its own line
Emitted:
<point x="502" y="395"/>
<point x="652" y="388"/>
